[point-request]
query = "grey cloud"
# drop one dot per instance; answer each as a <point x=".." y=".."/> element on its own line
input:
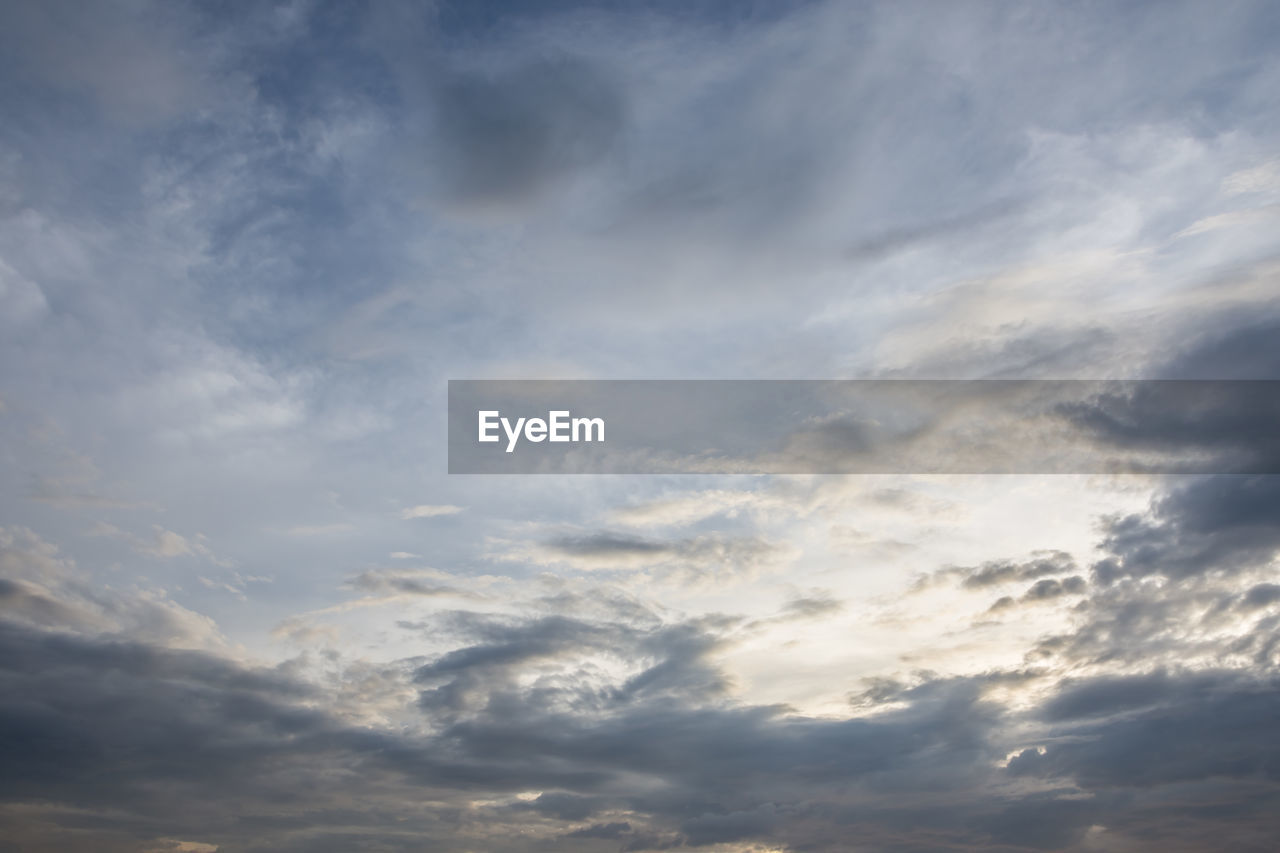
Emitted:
<point x="506" y="136"/>
<point x="668" y="661"/>
<point x="1102" y="696"/>
<point x="699" y="557"/>
<point x="1004" y="602"/>
<point x="810" y="607"/>
<point x="615" y="830"/>
<point x="136" y="65"/>
<point x="566" y="806"/>
<point x="1143" y="747"/>
<point x="990" y="574"/>
<point x="733" y="826"/>
<point x="1053" y="588"/>
<point x="244" y="742"/>
<point x="609" y="545"/>
<point x="1044" y="822"/>
<point x="1245" y="349"/>
<point x="889" y="242"/>
<point x="996" y="572"/>
<point x="1219" y="523"/>
<point x="1185" y="581"/>
<point x="1128" y="623"/>
<point x="1231" y="426"/>
<point x="29" y="603"/>
<point x="400" y="582"/>
<point x="1262" y="595"/>
<point x="1046" y="589"/>
<point x="1261" y="643"/>
<point x="1016" y="353"/>
<point x="1191" y="728"/>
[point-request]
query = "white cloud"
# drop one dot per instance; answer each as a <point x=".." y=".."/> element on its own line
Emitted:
<point x="429" y="511"/>
<point x="162" y="544"/>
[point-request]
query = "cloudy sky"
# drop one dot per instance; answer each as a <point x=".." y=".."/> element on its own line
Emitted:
<point x="243" y="247"/>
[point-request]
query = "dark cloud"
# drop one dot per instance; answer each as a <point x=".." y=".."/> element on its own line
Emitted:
<point x="505" y="136"/>
<point x="811" y="607"/>
<point x="395" y="582"/>
<point x="1225" y="523"/>
<point x="990" y="574"/>
<point x="1188" y="579"/>
<point x="997" y="572"/>
<point x="609" y="545"/>
<point x="732" y="826"/>
<point x="1107" y="695"/>
<point x="1247" y="348"/>
<point x="664" y="662"/>
<point x="1154" y="730"/>
<point x="1262" y="595"/>
<point x="147" y="744"/>
<point x="1046" y="589"/>
<point x="1053" y="588"/>
<point x="1226" y="426"/>
<point x="566" y="806"/>
<point x="702" y="557"/>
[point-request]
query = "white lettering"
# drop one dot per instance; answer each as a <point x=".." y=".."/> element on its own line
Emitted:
<point x="588" y="424"/>
<point x="558" y="426"/>
<point x="486" y="424"/>
<point x="513" y="435"/>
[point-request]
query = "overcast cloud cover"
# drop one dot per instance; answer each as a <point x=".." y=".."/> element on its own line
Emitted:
<point x="244" y="245"/>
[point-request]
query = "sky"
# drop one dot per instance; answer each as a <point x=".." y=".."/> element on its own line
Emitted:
<point x="245" y="245"/>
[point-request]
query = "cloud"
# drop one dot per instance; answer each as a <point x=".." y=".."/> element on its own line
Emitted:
<point x="699" y="559"/>
<point x="429" y="511"/>
<point x="44" y="589"/>
<point x="692" y="507"/>
<point x="1222" y="713"/>
<point x="234" y="584"/>
<point x="1219" y="523"/>
<point x="1240" y="350"/>
<point x="1226" y="425"/>
<point x="239" y="245"/>
<point x="397" y="582"/>
<point x="649" y="751"/>
<point x="1043" y="590"/>
<point x="997" y="572"/>
<point x="136" y="65"/>
<point x="502" y="137"/>
<point x="163" y="544"/>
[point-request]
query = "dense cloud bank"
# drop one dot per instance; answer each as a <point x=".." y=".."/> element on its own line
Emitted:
<point x="1147" y="726"/>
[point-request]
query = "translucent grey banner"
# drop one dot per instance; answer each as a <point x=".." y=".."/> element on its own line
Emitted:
<point x="863" y="426"/>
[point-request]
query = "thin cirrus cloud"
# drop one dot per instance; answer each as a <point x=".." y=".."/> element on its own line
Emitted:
<point x="242" y="248"/>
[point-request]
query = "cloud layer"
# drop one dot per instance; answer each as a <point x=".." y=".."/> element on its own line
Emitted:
<point x="244" y="608"/>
